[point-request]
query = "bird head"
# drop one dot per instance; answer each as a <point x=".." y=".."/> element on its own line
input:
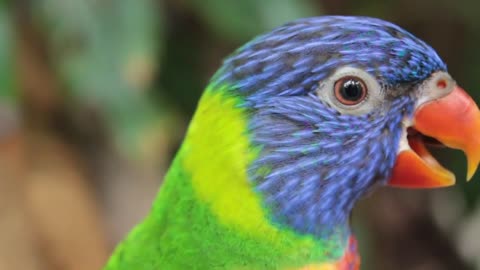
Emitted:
<point x="340" y="105"/>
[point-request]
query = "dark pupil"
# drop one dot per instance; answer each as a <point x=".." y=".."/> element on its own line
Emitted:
<point x="351" y="90"/>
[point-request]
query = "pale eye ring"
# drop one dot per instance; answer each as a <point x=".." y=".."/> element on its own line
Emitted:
<point x="350" y="90"/>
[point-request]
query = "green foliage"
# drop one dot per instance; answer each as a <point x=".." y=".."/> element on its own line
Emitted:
<point x="7" y="85"/>
<point x="240" y="20"/>
<point x="107" y="52"/>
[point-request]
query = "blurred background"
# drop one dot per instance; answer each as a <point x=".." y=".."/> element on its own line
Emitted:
<point x="95" y="96"/>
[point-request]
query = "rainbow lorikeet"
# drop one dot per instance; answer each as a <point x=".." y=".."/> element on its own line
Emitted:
<point x="293" y="129"/>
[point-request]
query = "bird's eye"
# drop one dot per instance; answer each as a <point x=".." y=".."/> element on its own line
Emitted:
<point x="350" y="90"/>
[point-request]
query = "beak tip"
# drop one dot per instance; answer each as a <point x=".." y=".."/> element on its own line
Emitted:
<point x="472" y="168"/>
<point x="473" y="158"/>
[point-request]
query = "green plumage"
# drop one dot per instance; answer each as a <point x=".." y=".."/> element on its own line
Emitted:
<point x="184" y="232"/>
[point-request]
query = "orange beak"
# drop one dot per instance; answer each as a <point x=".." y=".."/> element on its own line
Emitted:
<point x="453" y="120"/>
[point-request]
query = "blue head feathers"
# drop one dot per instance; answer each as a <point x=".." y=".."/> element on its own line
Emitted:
<point x="316" y="161"/>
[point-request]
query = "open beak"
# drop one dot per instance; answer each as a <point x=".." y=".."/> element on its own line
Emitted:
<point x="452" y="121"/>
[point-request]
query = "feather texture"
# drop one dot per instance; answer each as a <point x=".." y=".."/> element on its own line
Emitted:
<point x="268" y="173"/>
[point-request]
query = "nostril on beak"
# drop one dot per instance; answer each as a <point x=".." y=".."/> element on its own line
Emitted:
<point x="442" y="84"/>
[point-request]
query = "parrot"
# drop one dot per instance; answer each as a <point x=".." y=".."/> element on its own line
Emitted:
<point x="292" y="130"/>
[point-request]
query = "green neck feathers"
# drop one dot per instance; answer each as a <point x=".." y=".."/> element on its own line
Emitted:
<point x="207" y="215"/>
